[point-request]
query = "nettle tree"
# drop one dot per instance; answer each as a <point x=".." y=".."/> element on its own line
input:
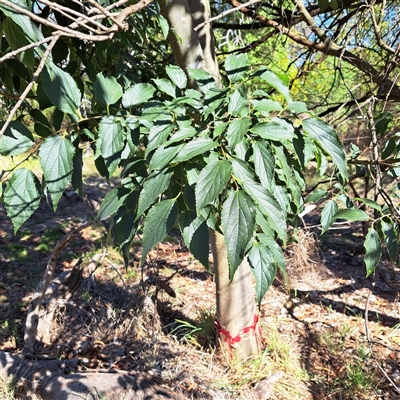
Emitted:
<point x="207" y="152"/>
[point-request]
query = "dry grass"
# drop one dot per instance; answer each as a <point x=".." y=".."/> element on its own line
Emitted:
<point x="305" y="268"/>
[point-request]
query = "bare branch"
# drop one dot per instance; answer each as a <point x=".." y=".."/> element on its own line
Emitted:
<point x="231" y="10"/>
<point x="22" y="49"/>
<point x="119" y="19"/>
<point x="377" y="29"/>
<point x="107" y="14"/>
<point x="310" y="21"/>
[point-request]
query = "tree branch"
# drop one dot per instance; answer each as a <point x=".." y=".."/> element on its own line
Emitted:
<point x="231" y="10"/>
<point x="387" y="88"/>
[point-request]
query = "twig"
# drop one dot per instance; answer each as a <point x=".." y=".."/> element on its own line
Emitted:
<point x="120" y="277"/>
<point x="12" y="54"/>
<point x="367" y="334"/>
<point x="66" y="11"/>
<point x="30" y="84"/>
<point x="231" y="10"/>
<point x="68" y="31"/>
<point x="106" y="13"/>
<point x="375" y="148"/>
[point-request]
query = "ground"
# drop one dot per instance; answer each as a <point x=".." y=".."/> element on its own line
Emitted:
<point x="160" y="318"/>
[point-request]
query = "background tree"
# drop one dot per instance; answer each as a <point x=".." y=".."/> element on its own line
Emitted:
<point x="362" y="35"/>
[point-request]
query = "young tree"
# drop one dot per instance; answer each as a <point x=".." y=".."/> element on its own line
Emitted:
<point x="193" y="148"/>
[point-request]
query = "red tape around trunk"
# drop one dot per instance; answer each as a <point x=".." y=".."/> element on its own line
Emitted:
<point x="237" y="339"/>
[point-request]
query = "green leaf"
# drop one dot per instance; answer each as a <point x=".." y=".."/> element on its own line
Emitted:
<point x="195" y="235"/>
<point x="391" y="240"/>
<point x="373" y="250"/>
<point x="278" y="84"/>
<point x="30" y="30"/>
<point x="237" y="101"/>
<point x="164" y="25"/>
<point x="328" y="215"/>
<point x="275" y="251"/>
<point x="16" y="139"/>
<point x="369" y="203"/>
<point x="164" y="156"/>
<point x="269" y="207"/>
<point x="182" y="134"/>
<point x="382" y="122"/>
<point x="263" y="269"/>
<point x="316" y="195"/>
<point x="297" y="107"/>
<point x="16" y="38"/>
<point x="158" y="222"/>
<point x="19" y="68"/>
<point x="203" y="79"/>
<point x="42" y="130"/>
<point x="211" y="182"/>
<point x="390" y="148"/>
<point x="354" y="214"/>
<point x="58" y="119"/>
<point x="241" y="171"/>
<point x="236" y="66"/>
<point x="263" y="224"/>
<point x="166" y="86"/>
<point x="39" y="116"/>
<point x="159" y="133"/>
<point x="77" y="167"/>
<point x="213" y="100"/>
<point x="153" y="187"/>
<point x="113" y="200"/>
<point x="21" y="196"/>
<point x="237" y="222"/>
<point x="277" y="130"/>
<point x="264" y="163"/>
<point x="281" y="195"/>
<point x="194" y="148"/>
<point x="237" y="128"/>
<point x="137" y="94"/>
<point x="323" y="4"/>
<point x="266" y="105"/>
<point x="177" y="76"/>
<point x="124" y="226"/>
<point x="56" y="158"/>
<point x="107" y="89"/>
<point x="284" y="164"/>
<point x="61" y="89"/>
<point x="111" y="135"/>
<point x="329" y="141"/>
<point x="262" y="197"/>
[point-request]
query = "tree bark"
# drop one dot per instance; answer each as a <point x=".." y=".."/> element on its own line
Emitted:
<point x="237" y="318"/>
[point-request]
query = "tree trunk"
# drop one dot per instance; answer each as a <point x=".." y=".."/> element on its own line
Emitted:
<point x="237" y="318"/>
